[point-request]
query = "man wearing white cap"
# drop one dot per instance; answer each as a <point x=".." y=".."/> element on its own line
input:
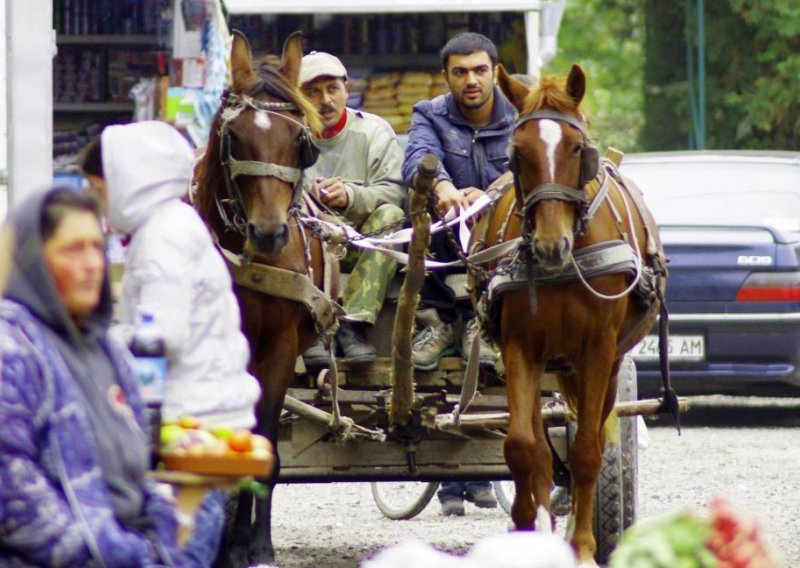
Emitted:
<point x="358" y="175"/>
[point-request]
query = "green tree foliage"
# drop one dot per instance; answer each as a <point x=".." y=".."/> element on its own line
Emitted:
<point x="752" y="55"/>
<point x="666" y="107"/>
<point x="605" y="37"/>
<point x="759" y="87"/>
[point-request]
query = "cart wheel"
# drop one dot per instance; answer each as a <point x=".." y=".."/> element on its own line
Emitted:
<point x="629" y="444"/>
<point x="505" y="492"/>
<point x="617" y="486"/>
<point x="403" y="500"/>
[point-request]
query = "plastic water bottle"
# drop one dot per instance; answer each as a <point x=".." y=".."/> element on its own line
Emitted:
<point x="150" y="366"/>
<point x="147" y="348"/>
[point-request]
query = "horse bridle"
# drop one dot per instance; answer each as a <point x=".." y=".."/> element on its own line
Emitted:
<point x="590" y="160"/>
<point x="231" y="208"/>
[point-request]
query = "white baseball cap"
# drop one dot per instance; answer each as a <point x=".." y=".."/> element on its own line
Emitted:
<point x="320" y="64"/>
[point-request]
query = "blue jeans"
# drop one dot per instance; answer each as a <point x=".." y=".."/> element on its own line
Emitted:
<point x="201" y="549"/>
<point x="458" y="489"/>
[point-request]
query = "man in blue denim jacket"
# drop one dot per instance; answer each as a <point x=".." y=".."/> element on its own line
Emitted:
<point x="468" y="130"/>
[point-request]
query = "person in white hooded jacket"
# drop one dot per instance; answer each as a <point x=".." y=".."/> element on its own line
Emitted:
<point x="174" y="272"/>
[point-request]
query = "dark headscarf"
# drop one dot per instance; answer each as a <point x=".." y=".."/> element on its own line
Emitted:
<point x="121" y="444"/>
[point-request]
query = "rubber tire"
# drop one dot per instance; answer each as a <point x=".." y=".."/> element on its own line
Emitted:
<point x="608" y="504"/>
<point x="616" y="494"/>
<point x="629" y="442"/>
<point x="413" y="507"/>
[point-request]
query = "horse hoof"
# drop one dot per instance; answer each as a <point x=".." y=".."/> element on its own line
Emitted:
<point x="232" y="560"/>
<point x="262" y="558"/>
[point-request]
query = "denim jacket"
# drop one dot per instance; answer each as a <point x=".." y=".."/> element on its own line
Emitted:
<point x="469" y="157"/>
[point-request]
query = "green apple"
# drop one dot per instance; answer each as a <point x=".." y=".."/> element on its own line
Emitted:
<point x="170" y="434"/>
<point x="222" y="432"/>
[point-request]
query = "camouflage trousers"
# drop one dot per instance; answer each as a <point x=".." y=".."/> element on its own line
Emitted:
<point x="370" y="271"/>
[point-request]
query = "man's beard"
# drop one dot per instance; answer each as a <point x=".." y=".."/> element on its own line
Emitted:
<point x="467" y="103"/>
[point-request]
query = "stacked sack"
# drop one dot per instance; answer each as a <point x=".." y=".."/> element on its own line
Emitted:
<point x="414" y="87"/>
<point x="393" y="95"/>
<point x="438" y="85"/>
<point x="381" y="98"/>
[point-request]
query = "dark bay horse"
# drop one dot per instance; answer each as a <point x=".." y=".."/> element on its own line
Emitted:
<point x="585" y="323"/>
<point x="248" y="190"/>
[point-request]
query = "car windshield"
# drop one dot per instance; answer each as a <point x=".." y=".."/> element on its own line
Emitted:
<point x="719" y="192"/>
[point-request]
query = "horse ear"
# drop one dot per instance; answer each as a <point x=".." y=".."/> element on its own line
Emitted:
<point x="292" y="55"/>
<point x="241" y="63"/>
<point x="576" y="84"/>
<point x="514" y="90"/>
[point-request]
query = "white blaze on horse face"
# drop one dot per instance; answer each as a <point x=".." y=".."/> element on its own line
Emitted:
<point x="262" y="120"/>
<point x="550" y="133"/>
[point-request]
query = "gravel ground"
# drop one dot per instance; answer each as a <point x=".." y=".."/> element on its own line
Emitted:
<point x="745" y="449"/>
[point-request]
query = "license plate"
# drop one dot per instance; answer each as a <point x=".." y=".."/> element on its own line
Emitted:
<point x="681" y="348"/>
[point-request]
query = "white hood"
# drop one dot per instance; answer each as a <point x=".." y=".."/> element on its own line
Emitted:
<point x="146" y="164"/>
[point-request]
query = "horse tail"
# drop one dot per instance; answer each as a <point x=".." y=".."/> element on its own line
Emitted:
<point x="568" y="390"/>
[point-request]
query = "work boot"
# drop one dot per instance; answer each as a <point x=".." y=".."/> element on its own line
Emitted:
<point x="486" y="355"/>
<point x="452" y="506"/>
<point x="483" y="497"/>
<point x="316" y="356"/>
<point x="436" y="340"/>
<point x="354" y="346"/>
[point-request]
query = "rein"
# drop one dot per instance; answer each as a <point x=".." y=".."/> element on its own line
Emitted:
<point x="231" y="208"/>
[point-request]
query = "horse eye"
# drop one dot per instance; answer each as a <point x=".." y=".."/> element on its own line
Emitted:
<point x="577" y="149"/>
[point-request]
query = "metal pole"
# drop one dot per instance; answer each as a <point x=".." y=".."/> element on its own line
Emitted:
<point x="532" y="42"/>
<point x="30" y="48"/>
<point x="701" y="75"/>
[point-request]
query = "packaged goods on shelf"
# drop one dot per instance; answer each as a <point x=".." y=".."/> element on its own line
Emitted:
<point x="77" y="76"/>
<point x="125" y="68"/>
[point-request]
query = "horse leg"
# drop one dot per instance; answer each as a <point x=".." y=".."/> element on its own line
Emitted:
<point x="594" y="383"/>
<point x="520" y="447"/>
<point x="277" y="374"/>
<point x="542" y="466"/>
<point x="233" y="551"/>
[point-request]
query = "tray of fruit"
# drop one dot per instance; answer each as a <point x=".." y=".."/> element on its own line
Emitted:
<point x="188" y="446"/>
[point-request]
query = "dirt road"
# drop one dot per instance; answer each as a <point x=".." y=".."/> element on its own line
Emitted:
<point x="745" y="449"/>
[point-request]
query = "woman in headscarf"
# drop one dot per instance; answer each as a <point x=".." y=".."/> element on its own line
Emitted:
<point x="73" y="454"/>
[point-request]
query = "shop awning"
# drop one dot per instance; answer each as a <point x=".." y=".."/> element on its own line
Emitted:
<point x="376" y="6"/>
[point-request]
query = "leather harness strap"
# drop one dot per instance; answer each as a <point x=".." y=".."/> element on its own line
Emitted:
<point x="288" y="285"/>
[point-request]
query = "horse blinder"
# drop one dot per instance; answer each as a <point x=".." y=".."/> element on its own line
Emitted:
<point x="590" y="163"/>
<point x="309" y="152"/>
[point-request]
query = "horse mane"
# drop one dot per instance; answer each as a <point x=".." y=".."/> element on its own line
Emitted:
<point x="551" y="94"/>
<point x="272" y="82"/>
<point x="209" y="173"/>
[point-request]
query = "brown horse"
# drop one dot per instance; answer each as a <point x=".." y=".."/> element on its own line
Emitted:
<point x="248" y="190"/>
<point x="547" y="316"/>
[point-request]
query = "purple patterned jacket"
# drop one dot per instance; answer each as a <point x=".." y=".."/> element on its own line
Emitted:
<point x="55" y="509"/>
